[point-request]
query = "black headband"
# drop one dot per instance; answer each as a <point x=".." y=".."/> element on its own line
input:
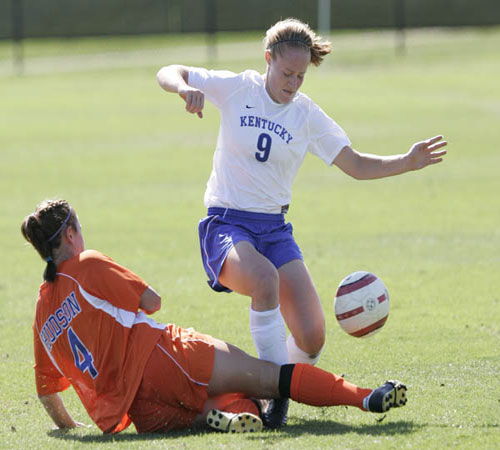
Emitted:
<point x="300" y="41"/>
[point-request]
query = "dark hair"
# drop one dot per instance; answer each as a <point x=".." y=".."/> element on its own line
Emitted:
<point x="43" y="229"/>
<point x="294" y="33"/>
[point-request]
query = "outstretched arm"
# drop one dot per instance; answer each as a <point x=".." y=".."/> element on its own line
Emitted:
<point x="55" y="408"/>
<point x="363" y="166"/>
<point x="174" y="79"/>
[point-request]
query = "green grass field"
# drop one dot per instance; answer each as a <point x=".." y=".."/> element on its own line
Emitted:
<point x="87" y="122"/>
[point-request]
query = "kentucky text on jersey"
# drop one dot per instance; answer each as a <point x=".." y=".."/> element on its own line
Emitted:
<point x="59" y="321"/>
<point x="260" y="122"/>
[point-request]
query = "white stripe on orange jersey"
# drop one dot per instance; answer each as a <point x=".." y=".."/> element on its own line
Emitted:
<point x="125" y="318"/>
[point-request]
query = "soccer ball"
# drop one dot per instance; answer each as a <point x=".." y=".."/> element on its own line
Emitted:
<point x="362" y="304"/>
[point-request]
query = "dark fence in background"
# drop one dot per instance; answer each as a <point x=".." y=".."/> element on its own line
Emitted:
<point x="68" y="18"/>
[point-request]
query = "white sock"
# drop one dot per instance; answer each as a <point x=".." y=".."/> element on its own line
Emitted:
<point x="365" y="402"/>
<point x="297" y="355"/>
<point x="269" y="335"/>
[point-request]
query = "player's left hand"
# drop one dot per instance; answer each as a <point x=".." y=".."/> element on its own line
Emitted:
<point x="425" y="153"/>
<point x="74" y="425"/>
<point x="82" y="425"/>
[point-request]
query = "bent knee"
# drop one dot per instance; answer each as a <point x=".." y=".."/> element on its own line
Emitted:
<point x="265" y="290"/>
<point x="311" y="342"/>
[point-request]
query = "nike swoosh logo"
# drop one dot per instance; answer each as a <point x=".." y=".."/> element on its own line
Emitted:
<point x="249" y="107"/>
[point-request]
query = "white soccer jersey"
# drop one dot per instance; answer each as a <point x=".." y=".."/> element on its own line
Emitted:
<point x="261" y="143"/>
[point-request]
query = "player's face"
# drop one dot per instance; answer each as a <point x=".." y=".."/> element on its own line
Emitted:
<point x="285" y="73"/>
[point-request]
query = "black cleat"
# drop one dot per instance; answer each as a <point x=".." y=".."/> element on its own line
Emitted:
<point x="276" y="412"/>
<point x="391" y="395"/>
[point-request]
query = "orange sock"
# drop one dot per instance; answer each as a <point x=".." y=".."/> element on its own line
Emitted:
<point x="316" y="387"/>
<point x="243" y="405"/>
<point x="235" y="403"/>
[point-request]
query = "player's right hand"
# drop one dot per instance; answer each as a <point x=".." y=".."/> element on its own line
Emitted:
<point x="195" y="100"/>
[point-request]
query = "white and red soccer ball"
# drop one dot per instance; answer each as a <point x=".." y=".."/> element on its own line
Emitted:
<point x="361" y="304"/>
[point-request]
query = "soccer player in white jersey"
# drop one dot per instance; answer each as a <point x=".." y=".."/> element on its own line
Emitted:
<point x="267" y="128"/>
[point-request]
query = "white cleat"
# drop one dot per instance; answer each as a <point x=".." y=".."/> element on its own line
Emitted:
<point x="234" y="423"/>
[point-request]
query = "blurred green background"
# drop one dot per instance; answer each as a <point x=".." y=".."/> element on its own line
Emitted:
<point x="87" y="122"/>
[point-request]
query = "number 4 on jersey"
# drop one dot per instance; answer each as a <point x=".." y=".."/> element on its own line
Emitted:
<point x="83" y="358"/>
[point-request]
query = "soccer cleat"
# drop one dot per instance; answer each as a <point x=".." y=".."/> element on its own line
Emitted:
<point x="234" y="423"/>
<point x="390" y="395"/>
<point x="275" y="415"/>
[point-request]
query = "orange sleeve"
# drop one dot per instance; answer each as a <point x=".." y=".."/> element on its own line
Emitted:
<point x="107" y="280"/>
<point x="48" y="379"/>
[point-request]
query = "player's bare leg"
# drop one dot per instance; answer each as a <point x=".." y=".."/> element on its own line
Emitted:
<point x="236" y="371"/>
<point x="302" y="311"/>
<point x="249" y="273"/>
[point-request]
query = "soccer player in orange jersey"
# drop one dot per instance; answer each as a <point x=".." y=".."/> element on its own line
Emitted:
<point x="92" y="332"/>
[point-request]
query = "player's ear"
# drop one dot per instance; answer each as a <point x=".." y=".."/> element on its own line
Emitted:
<point x="69" y="233"/>
<point x="268" y="57"/>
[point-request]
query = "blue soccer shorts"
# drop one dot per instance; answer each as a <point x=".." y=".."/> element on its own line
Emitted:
<point x="223" y="228"/>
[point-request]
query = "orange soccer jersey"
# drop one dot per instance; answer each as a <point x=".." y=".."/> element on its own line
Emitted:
<point x="102" y="352"/>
